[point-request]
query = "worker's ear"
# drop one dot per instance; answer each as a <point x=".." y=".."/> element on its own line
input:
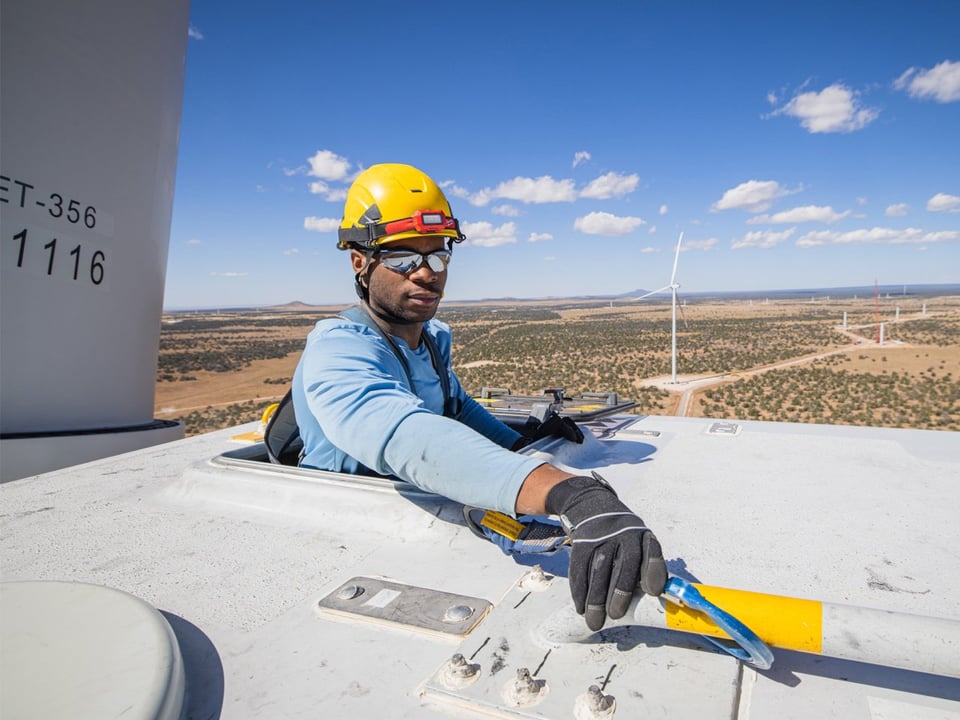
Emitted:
<point x="357" y="260"/>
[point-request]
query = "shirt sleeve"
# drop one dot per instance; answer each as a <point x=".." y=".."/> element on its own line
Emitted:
<point x="475" y="416"/>
<point x="355" y="388"/>
<point x="446" y="457"/>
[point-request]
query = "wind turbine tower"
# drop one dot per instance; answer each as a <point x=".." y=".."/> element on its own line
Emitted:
<point x="672" y="287"/>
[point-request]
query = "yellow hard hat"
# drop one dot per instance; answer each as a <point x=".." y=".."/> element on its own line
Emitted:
<point x="390" y="202"/>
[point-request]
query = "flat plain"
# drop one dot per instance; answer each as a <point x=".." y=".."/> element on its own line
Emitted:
<point x="764" y="359"/>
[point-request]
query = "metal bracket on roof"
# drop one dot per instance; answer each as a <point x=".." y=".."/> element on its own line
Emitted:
<point x="380" y="600"/>
<point x="723" y="427"/>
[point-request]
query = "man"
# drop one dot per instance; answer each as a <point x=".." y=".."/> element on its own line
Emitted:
<point x="376" y="392"/>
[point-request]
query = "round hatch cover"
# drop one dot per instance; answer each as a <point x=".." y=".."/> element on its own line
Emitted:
<point x="85" y="651"/>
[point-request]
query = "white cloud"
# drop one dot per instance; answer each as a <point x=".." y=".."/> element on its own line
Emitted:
<point x="836" y="108"/>
<point x="292" y="251"/>
<point x="652" y="230"/>
<point x="537" y="237"/>
<point x="194" y="33"/>
<point x="876" y="236"/>
<point x="940" y="83"/>
<point x="707" y="244"/>
<point x="941" y="202"/>
<point x="580" y="157"/>
<point x="505" y="210"/>
<point x="664" y="210"/>
<point x="753" y="196"/>
<point x="329" y="194"/>
<point x="763" y="239"/>
<point x="193" y="241"/>
<point x="602" y="223"/>
<point x="898" y="210"/>
<point x="649" y="249"/>
<point x="229" y="274"/>
<point x="807" y="213"/>
<point x="318" y="224"/>
<point x="543" y="189"/>
<point x="327" y="165"/>
<point x="610" y="185"/>
<point x="861" y="201"/>
<point x="451" y="188"/>
<point x="484" y="234"/>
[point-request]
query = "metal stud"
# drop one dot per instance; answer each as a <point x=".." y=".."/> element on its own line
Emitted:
<point x="457" y="613"/>
<point x="350" y="592"/>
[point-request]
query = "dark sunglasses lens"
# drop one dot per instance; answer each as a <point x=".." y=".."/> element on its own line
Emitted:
<point x="402" y="262"/>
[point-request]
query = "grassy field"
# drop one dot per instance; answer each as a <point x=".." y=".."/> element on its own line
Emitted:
<point x="784" y="360"/>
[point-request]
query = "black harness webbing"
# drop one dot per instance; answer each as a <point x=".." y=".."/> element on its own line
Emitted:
<point x="451" y="405"/>
<point x="282" y="435"/>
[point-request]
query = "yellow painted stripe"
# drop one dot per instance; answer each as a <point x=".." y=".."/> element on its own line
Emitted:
<point x="783" y="622"/>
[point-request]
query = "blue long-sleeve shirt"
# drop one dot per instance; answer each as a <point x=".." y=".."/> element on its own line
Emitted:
<point x="355" y="409"/>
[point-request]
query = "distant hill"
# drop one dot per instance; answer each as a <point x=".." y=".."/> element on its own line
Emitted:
<point x="293" y="305"/>
<point x="863" y="291"/>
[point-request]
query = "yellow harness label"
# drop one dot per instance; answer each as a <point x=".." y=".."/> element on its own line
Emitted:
<point x="503" y="524"/>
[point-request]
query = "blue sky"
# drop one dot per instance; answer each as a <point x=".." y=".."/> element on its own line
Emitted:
<point x="796" y="145"/>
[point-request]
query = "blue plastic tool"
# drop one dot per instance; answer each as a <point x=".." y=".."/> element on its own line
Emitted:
<point x="749" y="648"/>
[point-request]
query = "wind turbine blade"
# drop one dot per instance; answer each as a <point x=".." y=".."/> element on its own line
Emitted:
<point x="654" y="292"/>
<point x="676" y="258"/>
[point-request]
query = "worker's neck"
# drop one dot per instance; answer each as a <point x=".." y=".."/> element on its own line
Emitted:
<point x="409" y="332"/>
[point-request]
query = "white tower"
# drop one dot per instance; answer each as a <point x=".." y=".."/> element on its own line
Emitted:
<point x="91" y="99"/>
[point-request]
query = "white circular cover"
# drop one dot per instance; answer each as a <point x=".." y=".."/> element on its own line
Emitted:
<point x="85" y="651"/>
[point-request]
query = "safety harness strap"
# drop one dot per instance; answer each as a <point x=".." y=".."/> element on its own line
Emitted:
<point x="451" y="404"/>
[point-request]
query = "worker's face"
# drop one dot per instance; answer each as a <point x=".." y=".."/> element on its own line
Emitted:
<point x="412" y="297"/>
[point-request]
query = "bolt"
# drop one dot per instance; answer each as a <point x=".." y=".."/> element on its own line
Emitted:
<point x="525" y="684"/>
<point x="458" y="673"/>
<point x="459" y="667"/>
<point x="597" y="700"/>
<point x="457" y="613"/>
<point x="350" y="592"/>
<point x="525" y="689"/>
<point x="536" y="579"/>
<point x="594" y="705"/>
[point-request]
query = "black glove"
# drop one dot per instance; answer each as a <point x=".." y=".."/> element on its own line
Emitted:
<point x="613" y="551"/>
<point x="559" y="426"/>
<point x="554" y="426"/>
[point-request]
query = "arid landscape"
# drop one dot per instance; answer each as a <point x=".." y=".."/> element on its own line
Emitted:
<point x="764" y="359"/>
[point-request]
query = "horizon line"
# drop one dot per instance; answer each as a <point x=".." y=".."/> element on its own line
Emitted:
<point x="883" y="289"/>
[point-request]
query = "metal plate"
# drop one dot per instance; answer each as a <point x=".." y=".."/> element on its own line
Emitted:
<point x="380" y="600"/>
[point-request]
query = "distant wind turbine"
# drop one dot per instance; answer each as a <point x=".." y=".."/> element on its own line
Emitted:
<point x="673" y="287"/>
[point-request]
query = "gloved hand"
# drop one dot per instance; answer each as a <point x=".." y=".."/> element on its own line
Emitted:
<point x="613" y="552"/>
<point x="559" y="426"/>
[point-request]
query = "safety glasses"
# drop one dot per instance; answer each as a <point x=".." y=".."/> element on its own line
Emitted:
<point x="406" y="261"/>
